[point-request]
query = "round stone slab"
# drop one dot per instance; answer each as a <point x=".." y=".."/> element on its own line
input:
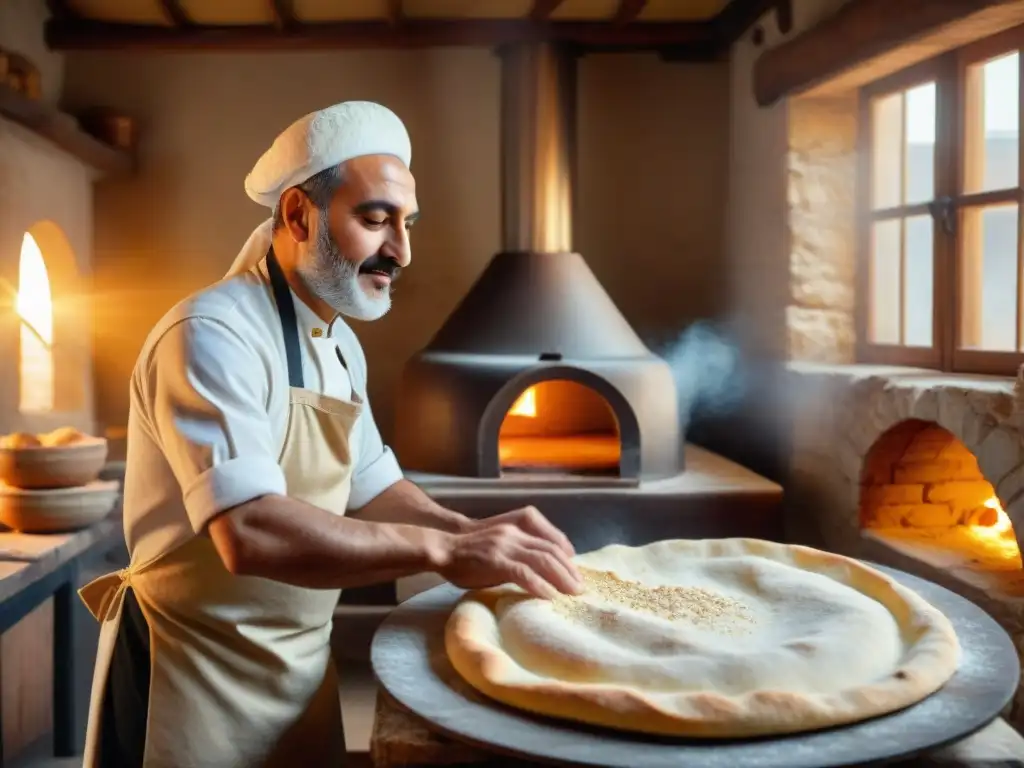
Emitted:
<point x="410" y="662"/>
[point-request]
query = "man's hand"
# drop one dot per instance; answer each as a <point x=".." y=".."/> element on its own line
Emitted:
<point x="500" y="552"/>
<point x="530" y="520"/>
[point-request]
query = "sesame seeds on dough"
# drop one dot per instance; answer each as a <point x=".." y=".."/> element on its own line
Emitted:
<point x="605" y="590"/>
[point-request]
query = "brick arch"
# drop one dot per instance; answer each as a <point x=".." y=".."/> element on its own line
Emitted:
<point x="919" y="474"/>
<point x="997" y="443"/>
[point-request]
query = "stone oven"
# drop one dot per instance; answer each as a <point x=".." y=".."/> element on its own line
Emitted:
<point x="536" y="375"/>
<point x="537" y="391"/>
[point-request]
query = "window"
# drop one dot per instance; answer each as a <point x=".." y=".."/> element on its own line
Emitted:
<point x="940" y="187"/>
<point x="35" y="308"/>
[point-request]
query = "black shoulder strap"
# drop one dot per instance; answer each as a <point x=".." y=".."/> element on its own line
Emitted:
<point x="289" y="322"/>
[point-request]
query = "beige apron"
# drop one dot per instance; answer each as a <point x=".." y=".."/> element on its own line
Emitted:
<point x="241" y="670"/>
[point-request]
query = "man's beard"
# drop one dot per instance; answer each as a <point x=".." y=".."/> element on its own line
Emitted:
<point x="335" y="280"/>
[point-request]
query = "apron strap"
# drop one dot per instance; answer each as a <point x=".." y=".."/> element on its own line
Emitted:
<point x="289" y="322"/>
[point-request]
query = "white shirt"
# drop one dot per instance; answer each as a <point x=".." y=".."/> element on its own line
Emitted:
<point x="209" y="409"/>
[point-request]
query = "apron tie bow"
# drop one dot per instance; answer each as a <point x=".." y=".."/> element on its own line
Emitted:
<point x="103" y="596"/>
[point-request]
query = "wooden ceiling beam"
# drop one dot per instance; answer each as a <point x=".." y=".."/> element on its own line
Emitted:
<point x="865" y="31"/>
<point x="411" y="33"/>
<point x="542" y="9"/>
<point x="284" y="15"/>
<point x="628" y="11"/>
<point x="740" y="15"/>
<point x="175" y="13"/>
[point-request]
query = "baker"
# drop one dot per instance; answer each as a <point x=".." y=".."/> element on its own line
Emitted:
<point x="258" y="485"/>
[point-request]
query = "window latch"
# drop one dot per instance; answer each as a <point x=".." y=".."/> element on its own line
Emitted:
<point x="943" y="211"/>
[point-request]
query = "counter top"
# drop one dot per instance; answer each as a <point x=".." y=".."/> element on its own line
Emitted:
<point x="399" y="738"/>
<point x="27" y="557"/>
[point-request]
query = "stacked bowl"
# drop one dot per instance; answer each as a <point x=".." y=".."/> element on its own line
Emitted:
<point x="49" y="483"/>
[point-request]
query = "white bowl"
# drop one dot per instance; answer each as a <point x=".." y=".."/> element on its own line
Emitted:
<point x="59" y="509"/>
<point x="60" y="466"/>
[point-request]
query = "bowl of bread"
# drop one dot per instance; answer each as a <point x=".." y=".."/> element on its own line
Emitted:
<point x="50" y="482"/>
<point x="63" y="458"/>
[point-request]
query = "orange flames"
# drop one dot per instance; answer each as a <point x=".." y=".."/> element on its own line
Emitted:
<point x="996" y="532"/>
<point x="526" y="405"/>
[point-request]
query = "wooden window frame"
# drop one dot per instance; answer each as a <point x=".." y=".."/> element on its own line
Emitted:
<point x="950" y="72"/>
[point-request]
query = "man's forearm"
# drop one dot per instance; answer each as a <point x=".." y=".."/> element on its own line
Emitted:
<point x="405" y="503"/>
<point x="287" y="540"/>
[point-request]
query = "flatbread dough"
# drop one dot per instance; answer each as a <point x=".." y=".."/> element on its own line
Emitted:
<point x="716" y="638"/>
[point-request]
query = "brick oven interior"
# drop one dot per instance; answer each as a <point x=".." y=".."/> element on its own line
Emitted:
<point x="922" y="492"/>
<point x="602" y="182"/>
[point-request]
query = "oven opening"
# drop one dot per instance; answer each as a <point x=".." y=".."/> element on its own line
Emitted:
<point x="560" y="427"/>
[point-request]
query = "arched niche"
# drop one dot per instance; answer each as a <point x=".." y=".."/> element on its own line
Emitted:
<point x="560" y="420"/>
<point x="923" y="490"/>
<point x="560" y="425"/>
<point x="54" y="358"/>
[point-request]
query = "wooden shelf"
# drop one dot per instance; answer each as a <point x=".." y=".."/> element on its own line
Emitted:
<point x="62" y="129"/>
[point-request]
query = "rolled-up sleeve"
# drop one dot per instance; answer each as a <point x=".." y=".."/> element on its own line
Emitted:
<point x="208" y="400"/>
<point x="376" y="468"/>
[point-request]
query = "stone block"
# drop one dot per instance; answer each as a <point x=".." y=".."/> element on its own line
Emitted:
<point x="953" y="406"/>
<point x="930" y="516"/>
<point x="938" y="471"/>
<point x="921" y="403"/>
<point x="999" y="454"/>
<point x="922" y="451"/>
<point x="962" y="495"/>
<point x="956" y="450"/>
<point x="883" y="517"/>
<point x="880" y="495"/>
<point x="976" y="427"/>
<point x="820" y="335"/>
<point x="1011" y="486"/>
<point x="914" y="516"/>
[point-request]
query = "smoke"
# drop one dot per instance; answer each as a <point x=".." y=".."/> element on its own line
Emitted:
<point x="706" y="366"/>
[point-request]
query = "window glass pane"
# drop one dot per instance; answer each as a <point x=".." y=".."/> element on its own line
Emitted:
<point x="918" y="281"/>
<point x="919" y="151"/>
<point x="992" y="123"/>
<point x="884" y="319"/>
<point x="988" y="278"/>
<point x="886" y="151"/>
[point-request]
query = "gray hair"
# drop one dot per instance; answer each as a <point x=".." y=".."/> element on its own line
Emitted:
<point x="319" y="188"/>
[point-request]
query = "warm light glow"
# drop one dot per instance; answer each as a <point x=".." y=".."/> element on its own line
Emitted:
<point x="562" y="427"/>
<point x="526" y="405"/>
<point x="34" y="305"/>
<point x="1002" y="527"/>
<point x="997" y="535"/>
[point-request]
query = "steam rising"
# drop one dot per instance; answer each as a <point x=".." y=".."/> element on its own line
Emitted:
<point x="706" y="368"/>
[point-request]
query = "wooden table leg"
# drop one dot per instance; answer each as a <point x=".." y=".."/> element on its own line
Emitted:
<point x="64" y="733"/>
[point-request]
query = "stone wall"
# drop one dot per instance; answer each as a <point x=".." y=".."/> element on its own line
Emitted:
<point x="843" y="410"/>
<point x="821" y="183"/>
<point x="758" y="215"/>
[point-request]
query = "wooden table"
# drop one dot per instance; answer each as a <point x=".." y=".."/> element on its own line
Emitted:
<point x="400" y="739"/>
<point x="34" y="568"/>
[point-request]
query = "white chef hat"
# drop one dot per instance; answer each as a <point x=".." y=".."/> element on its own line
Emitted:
<point x="324" y="139"/>
<point x="311" y="144"/>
